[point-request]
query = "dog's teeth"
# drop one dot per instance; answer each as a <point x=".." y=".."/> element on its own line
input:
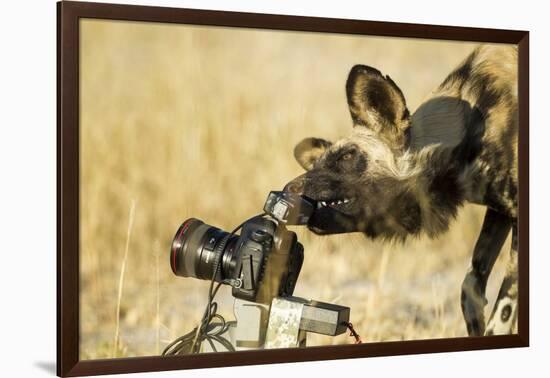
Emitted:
<point x="323" y="203"/>
<point x="339" y="202"/>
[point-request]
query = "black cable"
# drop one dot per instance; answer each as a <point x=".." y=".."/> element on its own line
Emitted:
<point x="207" y="330"/>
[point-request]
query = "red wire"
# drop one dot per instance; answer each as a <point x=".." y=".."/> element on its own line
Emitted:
<point x="353" y="333"/>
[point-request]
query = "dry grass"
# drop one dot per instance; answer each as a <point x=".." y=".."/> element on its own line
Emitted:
<point x="192" y="121"/>
<point x="116" y="342"/>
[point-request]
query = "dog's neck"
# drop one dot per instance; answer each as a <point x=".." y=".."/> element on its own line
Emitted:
<point x="427" y="186"/>
<point x="441" y="187"/>
<point x="429" y="194"/>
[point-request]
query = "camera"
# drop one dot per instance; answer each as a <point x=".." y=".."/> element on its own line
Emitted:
<point x="262" y="262"/>
<point x="262" y="266"/>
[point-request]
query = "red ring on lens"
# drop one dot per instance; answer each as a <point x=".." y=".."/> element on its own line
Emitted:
<point x="184" y="226"/>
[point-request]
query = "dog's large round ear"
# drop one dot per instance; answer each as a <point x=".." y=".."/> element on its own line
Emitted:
<point x="309" y="150"/>
<point x="377" y="103"/>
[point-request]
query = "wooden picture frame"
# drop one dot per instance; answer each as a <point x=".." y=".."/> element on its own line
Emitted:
<point x="68" y="217"/>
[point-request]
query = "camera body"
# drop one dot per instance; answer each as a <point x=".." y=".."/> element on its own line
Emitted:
<point x="268" y="262"/>
<point x="253" y="248"/>
<point x="260" y="264"/>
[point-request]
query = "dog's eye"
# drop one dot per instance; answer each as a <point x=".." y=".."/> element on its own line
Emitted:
<point x="347" y="156"/>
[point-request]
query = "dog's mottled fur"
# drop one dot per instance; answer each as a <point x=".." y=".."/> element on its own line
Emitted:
<point x="399" y="174"/>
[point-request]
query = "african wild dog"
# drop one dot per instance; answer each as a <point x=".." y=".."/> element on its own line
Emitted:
<point x="400" y="174"/>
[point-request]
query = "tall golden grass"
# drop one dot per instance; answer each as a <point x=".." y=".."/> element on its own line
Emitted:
<point x="201" y="122"/>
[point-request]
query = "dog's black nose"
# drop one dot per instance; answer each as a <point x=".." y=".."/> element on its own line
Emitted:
<point x="296" y="186"/>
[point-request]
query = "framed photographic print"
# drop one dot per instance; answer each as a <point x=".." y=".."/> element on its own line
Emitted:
<point x="238" y="188"/>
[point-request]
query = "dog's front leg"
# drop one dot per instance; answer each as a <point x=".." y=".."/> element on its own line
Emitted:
<point x="503" y="318"/>
<point x="489" y="243"/>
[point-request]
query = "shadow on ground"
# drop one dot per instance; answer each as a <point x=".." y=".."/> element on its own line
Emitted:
<point x="47" y="366"/>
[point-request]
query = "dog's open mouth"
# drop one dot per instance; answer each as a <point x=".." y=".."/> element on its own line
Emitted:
<point x="333" y="216"/>
<point x="335" y="203"/>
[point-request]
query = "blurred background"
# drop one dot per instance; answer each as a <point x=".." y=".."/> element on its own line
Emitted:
<point x="184" y="121"/>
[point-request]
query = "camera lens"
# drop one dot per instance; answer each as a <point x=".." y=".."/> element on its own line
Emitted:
<point x="198" y="250"/>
